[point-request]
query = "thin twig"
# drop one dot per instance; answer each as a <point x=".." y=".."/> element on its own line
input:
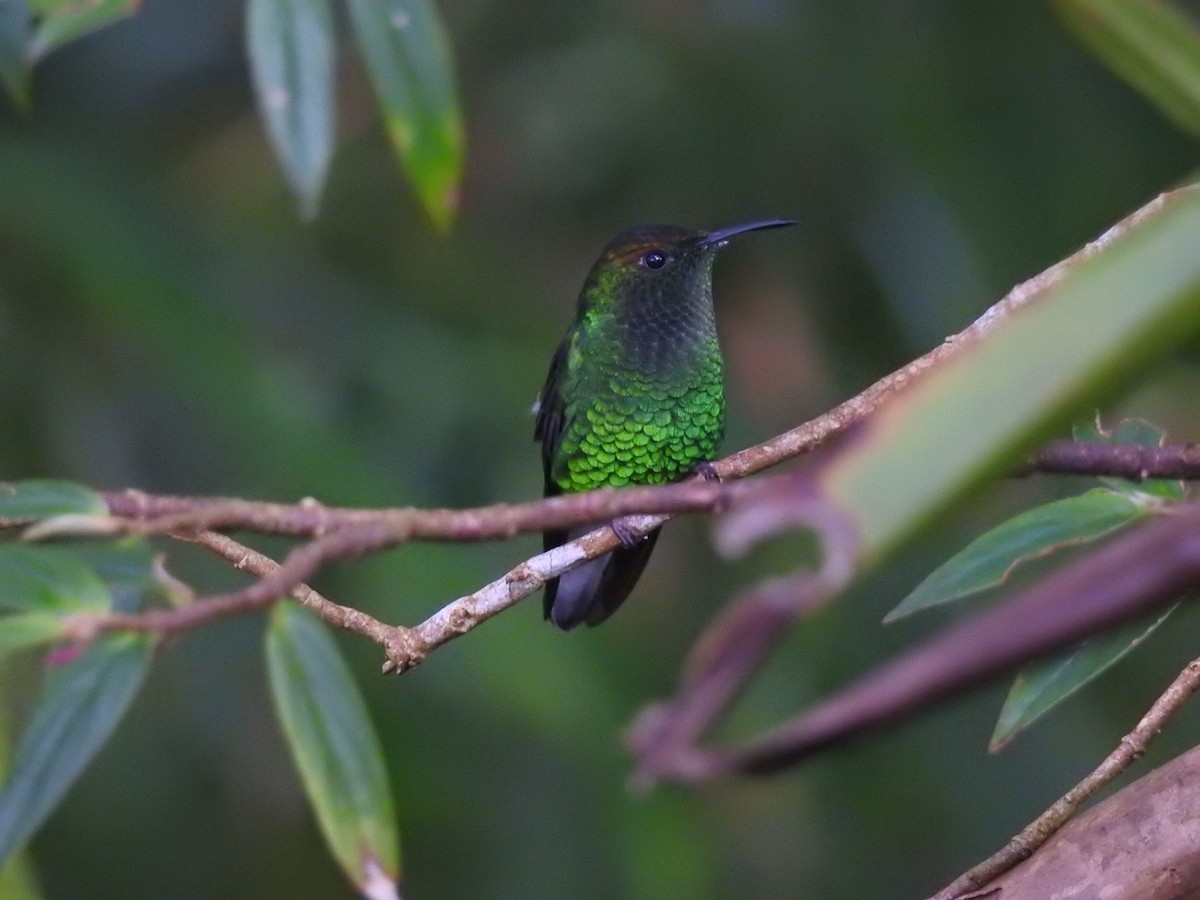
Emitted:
<point x="1131" y="748"/>
<point x="245" y="559"/>
<point x="457" y="618"/>
<point x="143" y="513"/>
<point x="148" y="514"/>
<point x="1134" y="461"/>
<point x="85" y="626"/>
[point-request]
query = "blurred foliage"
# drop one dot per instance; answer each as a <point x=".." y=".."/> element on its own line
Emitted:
<point x="336" y="750"/>
<point x="1153" y="45"/>
<point x="167" y="323"/>
<point x="291" y="47"/>
<point x="1035" y="535"/>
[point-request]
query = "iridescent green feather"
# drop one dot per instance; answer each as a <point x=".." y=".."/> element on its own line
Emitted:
<point x="642" y="408"/>
<point x="634" y="394"/>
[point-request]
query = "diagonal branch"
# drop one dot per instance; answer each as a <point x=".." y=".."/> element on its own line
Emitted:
<point x="1137" y="462"/>
<point x="1130" y="749"/>
<point x="345" y="533"/>
<point x="85" y="626"/>
<point x="156" y="514"/>
<point x="1145" y="568"/>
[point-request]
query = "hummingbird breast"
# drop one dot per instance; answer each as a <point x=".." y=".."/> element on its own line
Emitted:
<point x="646" y="398"/>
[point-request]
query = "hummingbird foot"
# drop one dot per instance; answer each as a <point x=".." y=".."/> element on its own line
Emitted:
<point x="706" y="471"/>
<point x="627" y="536"/>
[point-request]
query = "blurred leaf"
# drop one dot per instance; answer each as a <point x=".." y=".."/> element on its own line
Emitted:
<point x="17" y="881"/>
<point x="39" y="499"/>
<point x="1148" y="43"/>
<point x="1133" y="431"/>
<point x="48" y="579"/>
<point x="1041" y="687"/>
<point x="23" y="630"/>
<point x="62" y="21"/>
<point x="975" y="416"/>
<point x="989" y="559"/>
<point x="81" y="705"/>
<point x="129" y="569"/>
<point x="408" y="56"/>
<point x="15" y="24"/>
<point x="335" y="748"/>
<point x="291" y="47"/>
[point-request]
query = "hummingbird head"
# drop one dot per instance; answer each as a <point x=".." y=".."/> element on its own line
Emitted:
<point x="666" y="260"/>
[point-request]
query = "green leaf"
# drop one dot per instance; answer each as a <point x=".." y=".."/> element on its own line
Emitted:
<point x="38" y="499"/>
<point x="408" y="57"/>
<point x="23" y="630"/>
<point x="128" y="569"/>
<point x="81" y="705"/>
<point x="48" y="579"/>
<point x="291" y="47"/>
<point x="62" y="22"/>
<point x="1041" y="687"/>
<point x="974" y="417"/>
<point x="335" y="748"/>
<point x="1149" y="44"/>
<point x="15" y="26"/>
<point x="17" y="881"/>
<point x="989" y="559"/>
<point x="1133" y="431"/>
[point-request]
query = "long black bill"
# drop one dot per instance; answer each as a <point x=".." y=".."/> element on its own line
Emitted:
<point x="722" y="235"/>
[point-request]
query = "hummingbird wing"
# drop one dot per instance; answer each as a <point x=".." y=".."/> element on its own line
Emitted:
<point x="551" y="416"/>
<point x="592" y="592"/>
<point x="548" y="428"/>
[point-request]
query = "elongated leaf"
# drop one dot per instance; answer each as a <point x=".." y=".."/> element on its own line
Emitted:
<point x="38" y="499"/>
<point x="1150" y="45"/>
<point x="335" y="748"/>
<point x="128" y="569"/>
<point x="62" y="22"/>
<point x="1108" y="317"/>
<point x="81" y="705"/>
<point x="1133" y="431"/>
<point x="291" y="46"/>
<point x="1041" y="687"/>
<point x="989" y="559"/>
<point x="408" y="56"/>
<point x="48" y="579"/>
<point x="16" y="876"/>
<point x="17" y="881"/>
<point x="15" y="26"/>
<point x="22" y="630"/>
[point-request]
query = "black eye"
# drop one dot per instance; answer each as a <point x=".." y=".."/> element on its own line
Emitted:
<point x="654" y="259"/>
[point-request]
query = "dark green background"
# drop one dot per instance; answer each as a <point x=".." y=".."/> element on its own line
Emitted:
<point x="166" y="322"/>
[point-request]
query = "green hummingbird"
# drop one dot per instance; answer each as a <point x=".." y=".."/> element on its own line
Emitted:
<point x="635" y="394"/>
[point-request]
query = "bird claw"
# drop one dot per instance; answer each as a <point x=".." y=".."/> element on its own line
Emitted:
<point x="706" y="470"/>
<point x="626" y="534"/>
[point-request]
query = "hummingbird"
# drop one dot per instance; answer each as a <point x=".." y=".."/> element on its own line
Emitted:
<point x="635" y="394"/>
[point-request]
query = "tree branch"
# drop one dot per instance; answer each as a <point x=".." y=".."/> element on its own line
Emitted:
<point x="1130" y="749"/>
<point x="148" y="514"/>
<point x="347" y="533"/>
<point x="1142" y="843"/>
<point x="1136" y="462"/>
<point x="85" y="626"/>
<point x="1134" y="573"/>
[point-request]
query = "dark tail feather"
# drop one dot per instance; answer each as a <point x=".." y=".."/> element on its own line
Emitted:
<point x="593" y="592"/>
